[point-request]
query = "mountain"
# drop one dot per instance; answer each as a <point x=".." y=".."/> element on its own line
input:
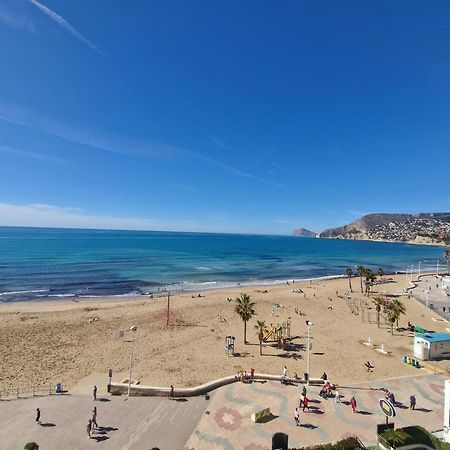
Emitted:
<point x="421" y="228"/>
<point x="303" y="232"/>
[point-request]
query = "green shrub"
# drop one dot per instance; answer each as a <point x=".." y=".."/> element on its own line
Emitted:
<point x="31" y="446"/>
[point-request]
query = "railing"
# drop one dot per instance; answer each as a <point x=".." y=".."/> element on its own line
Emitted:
<point x="384" y="442"/>
<point x="28" y="391"/>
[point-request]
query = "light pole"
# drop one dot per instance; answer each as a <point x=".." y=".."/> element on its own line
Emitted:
<point x="437" y="267"/>
<point x="420" y="262"/>
<point x="412" y="272"/>
<point x="308" y="354"/>
<point x="133" y="330"/>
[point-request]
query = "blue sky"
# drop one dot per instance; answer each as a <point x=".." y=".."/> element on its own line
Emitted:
<point x="222" y="116"/>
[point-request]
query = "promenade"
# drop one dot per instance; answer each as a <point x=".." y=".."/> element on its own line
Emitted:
<point x="220" y="422"/>
<point x="428" y="292"/>
<point x="228" y="425"/>
<point x="125" y="423"/>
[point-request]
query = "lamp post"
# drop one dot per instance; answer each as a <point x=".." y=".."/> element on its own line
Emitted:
<point x="308" y="354"/>
<point x="420" y="262"/>
<point x="133" y="330"/>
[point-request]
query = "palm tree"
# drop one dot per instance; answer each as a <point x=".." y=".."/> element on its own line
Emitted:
<point x="394" y="310"/>
<point x="378" y="302"/>
<point x="261" y="328"/>
<point x="446" y="255"/>
<point x="395" y="437"/>
<point x="360" y="270"/>
<point x="399" y="307"/>
<point x="349" y="273"/>
<point x="380" y="272"/>
<point x="370" y="278"/>
<point x="244" y="307"/>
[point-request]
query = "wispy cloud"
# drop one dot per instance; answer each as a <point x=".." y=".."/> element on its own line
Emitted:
<point x="220" y="142"/>
<point x="114" y="143"/>
<point x="45" y="215"/>
<point x="65" y="25"/>
<point x="16" y="21"/>
<point x="32" y="155"/>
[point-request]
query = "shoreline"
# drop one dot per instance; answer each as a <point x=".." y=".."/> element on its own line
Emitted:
<point x="164" y="292"/>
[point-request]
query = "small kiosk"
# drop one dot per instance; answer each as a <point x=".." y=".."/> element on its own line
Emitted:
<point x="432" y="346"/>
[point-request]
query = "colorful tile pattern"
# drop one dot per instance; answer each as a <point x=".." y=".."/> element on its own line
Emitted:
<point x="228" y="426"/>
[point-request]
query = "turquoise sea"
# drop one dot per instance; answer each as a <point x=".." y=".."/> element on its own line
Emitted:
<point x="41" y="263"/>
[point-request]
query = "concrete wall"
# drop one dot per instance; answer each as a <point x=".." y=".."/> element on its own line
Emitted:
<point x="141" y="390"/>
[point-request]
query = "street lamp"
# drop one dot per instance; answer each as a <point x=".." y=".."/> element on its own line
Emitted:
<point x="308" y="355"/>
<point x="420" y="262"/>
<point x="133" y="330"/>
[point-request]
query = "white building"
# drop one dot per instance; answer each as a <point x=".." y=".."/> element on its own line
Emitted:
<point x="445" y="285"/>
<point x="432" y="346"/>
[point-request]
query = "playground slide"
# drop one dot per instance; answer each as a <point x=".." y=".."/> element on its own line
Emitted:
<point x="268" y="335"/>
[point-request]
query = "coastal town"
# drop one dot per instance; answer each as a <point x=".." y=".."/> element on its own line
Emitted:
<point x="420" y="229"/>
<point x="413" y="229"/>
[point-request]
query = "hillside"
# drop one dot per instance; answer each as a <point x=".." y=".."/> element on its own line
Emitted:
<point x="303" y="232"/>
<point x="423" y="228"/>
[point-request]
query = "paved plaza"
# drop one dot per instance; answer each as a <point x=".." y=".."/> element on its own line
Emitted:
<point x="221" y="421"/>
<point x="429" y="292"/>
<point x="228" y="425"/>
<point x="136" y="423"/>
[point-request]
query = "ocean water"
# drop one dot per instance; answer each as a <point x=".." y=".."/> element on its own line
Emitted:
<point x="42" y="263"/>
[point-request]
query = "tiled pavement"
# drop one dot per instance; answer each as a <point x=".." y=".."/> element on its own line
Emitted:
<point x="227" y="424"/>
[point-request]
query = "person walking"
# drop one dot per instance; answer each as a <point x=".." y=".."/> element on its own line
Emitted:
<point x="94" y="392"/>
<point x="305" y="403"/>
<point x="296" y="417"/>
<point x="89" y="428"/>
<point x="304" y="391"/>
<point x="302" y="399"/>
<point x="337" y="397"/>
<point x="353" y="405"/>
<point x="94" y="418"/>
<point x="412" y="402"/>
<point x="391" y="398"/>
<point x="171" y="393"/>
<point x="38" y="416"/>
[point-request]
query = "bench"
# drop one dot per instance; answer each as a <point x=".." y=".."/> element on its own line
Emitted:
<point x="257" y="416"/>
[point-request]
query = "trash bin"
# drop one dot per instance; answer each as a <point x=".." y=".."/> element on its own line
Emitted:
<point x="306" y="376"/>
<point x="404" y="359"/>
<point x="280" y="441"/>
<point x="58" y="388"/>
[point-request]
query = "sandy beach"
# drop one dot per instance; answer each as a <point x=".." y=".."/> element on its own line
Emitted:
<point x="66" y="341"/>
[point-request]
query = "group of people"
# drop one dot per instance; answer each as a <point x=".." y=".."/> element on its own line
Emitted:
<point x="245" y="376"/>
<point x="92" y="424"/>
<point x="285" y="378"/>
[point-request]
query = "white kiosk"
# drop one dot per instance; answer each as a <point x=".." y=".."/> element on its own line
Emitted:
<point x="432" y="346"/>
